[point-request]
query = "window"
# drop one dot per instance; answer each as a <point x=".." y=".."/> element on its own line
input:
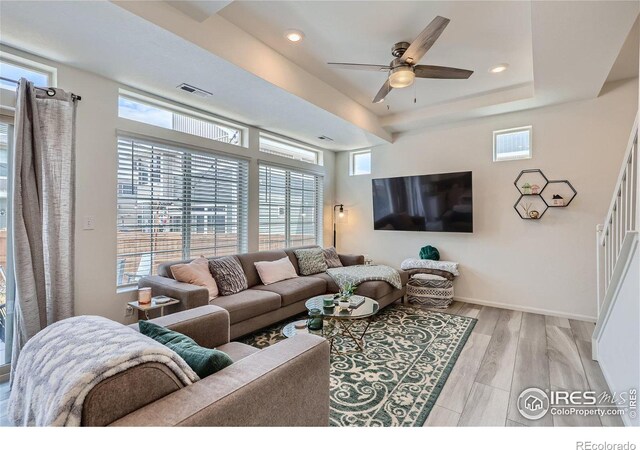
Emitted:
<point x="290" y="208"/>
<point x="287" y="149"/>
<point x="360" y="163"/>
<point x="175" y="203"/>
<point x="7" y="289"/>
<point x="14" y="69"/>
<point x="514" y="143"/>
<point x="174" y="118"/>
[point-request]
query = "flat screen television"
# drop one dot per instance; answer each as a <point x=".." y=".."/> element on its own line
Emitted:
<point x="440" y="202"/>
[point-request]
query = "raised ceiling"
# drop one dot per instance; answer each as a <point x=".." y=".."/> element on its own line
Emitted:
<point x="479" y="36"/>
<point x="557" y="52"/>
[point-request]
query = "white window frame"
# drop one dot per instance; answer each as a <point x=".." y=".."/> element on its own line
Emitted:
<point x="319" y="203"/>
<point x="352" y="160"/>
<point x="242" y="225"/>
<point x="497" y="133"/>
<point x="50" y="72"/>
<point x="185" y="111"/>
<point x="290" y="143"/>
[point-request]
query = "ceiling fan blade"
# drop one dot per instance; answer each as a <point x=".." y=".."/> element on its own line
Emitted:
<point x="441" y="72"/>
<point x="382" y="93"/>
<point x="425" y="40"/>
<point x="373" y="67"/>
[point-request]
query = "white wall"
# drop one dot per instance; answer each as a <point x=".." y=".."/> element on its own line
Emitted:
<point x="544" y="266"/>
<point x="96" y="166"/>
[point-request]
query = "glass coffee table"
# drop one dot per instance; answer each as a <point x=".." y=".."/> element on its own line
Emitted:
<point x="341" y="321"/>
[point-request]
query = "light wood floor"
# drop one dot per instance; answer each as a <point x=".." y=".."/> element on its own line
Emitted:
<point x="507" y="352"/>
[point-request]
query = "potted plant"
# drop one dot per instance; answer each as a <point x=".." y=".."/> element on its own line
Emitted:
<point x="346" y="292"/>
<point x="526" y="189"/>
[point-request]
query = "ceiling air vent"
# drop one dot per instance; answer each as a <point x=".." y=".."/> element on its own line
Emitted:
<point x="194" y="90"/>
<point x="325" y="138"/>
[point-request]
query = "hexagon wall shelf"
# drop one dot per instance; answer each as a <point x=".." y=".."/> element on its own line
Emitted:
<point x="538" y="193"/>
<point x="558" y="193"/>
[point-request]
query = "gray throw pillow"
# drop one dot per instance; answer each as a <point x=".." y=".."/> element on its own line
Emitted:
<point x="310" y="261"/>
<point x="331" y="257"/>
<point x="228" y="274"/>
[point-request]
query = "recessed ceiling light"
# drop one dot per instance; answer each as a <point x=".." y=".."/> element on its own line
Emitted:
<point x="294" y="35"/>
<point x="499" y="68"/>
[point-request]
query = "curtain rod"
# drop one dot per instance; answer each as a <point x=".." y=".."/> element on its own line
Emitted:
<point x="50" y="91"/>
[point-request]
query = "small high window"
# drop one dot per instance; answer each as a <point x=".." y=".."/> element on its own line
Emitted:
<point x="288" y="149"/>
<point x="511" y="144"/>
<point x="174" y="118"/>
<point x="360" y="163"/>
<point x="14" y="69"/>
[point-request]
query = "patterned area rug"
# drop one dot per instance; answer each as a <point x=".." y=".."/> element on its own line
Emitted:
<point x="409" y="354"/>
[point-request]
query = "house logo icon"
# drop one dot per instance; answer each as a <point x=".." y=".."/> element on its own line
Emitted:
<point x="533" y="403"/>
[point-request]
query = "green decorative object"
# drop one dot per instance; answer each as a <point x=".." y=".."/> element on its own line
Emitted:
<point x="315" y="320"/>
<point x="347" y="290"/>
<point x="429" y="252"/>
<point x="203" y="361"/>
<point x="401" y="388"/>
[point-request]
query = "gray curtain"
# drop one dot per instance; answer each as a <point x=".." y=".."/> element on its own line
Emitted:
<point x="43" y="210"/>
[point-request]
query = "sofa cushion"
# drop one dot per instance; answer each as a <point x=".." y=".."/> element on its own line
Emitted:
<point x="292" y="256"/>
<point x="332" y="286"/>
<point x="273" y="271"/>
<point x="331" y="257"/>
<point x="237" y="350"/>
<point x="295" y="289"/>
<point x="228" y="274"/>
<point x="311" y="261"/>
<point x="197" y="273"/>
<point x="203" y="361"/>
<point x="247" y="304"/>
<point x="374" y="289"/>
<point x="248" y="260"/>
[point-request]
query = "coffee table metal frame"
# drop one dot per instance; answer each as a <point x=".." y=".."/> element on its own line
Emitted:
<point x="341" y="322"/>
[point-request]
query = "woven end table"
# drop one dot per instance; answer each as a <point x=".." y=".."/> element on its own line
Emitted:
<point x="430" y="290"/>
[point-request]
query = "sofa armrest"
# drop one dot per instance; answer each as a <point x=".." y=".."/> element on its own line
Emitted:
<point x="351" y="260"/>
<point x="207" y="325"/>
<point x="190" y="296"/>
<point x="286" y="384"/>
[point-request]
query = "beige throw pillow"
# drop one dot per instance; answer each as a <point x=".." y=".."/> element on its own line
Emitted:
<point x="273" y="271"/>
<point x="196" y="273"/>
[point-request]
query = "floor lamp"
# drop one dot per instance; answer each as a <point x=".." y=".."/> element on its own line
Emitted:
<point x="342" y="215"/>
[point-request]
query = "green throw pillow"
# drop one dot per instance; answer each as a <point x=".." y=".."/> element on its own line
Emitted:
<point x="203" y="361"/>
<point x="429" y="252"/>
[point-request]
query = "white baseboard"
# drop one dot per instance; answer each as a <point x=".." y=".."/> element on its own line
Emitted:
<point x="546" y="312"/>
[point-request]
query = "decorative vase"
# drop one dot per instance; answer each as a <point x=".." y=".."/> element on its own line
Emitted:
<point x="534" y="214"/>
<point x="144" y="296"/>
<point x="315" y="320"/>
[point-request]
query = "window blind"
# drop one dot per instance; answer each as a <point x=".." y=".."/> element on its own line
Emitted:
<point x="290" y="208"/>
<point x="175" y="203"/>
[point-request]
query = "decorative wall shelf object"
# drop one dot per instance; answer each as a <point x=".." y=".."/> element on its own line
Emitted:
<point x="558" y="193"/>
<point x="538" y="193"/>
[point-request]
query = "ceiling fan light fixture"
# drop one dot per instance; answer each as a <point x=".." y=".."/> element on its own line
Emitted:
<point x="499" y="68"/>
<point x="294" y="35"/>
<point x="401" y="77"/>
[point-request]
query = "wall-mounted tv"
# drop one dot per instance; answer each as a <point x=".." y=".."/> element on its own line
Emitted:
<point x="439" y="202"/>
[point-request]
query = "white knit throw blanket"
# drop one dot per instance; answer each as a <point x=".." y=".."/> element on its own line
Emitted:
<point x="60" y="365"/>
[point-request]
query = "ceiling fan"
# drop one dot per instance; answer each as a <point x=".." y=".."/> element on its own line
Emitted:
<point x="404" y="68"/>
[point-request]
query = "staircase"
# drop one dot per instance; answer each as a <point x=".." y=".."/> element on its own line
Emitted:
<point x="616" y="339"/>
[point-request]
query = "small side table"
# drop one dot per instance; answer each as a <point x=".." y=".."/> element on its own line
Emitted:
<point x="152" y="306"/>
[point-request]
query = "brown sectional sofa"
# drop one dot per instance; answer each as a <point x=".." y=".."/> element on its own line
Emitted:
<point x="260" y="305"/>
<point x="286" y="384"/>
